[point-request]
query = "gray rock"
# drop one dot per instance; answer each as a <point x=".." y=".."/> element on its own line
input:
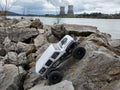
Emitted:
<point x="23" y="47"/>
<point x="9" y="77"/>
<point x="80" y="28"/>
<point x="22" y="59"/>
<point x="41" y="31"/>
<point x="16" y="59"/>
<point x="77" y="30"/>
<point x="64" y="85"/>
<point x="31" y="79"/>
<point x="18" y="34"/>
<point x="41" y="50"/>
<point x="11" y="58"/>
<point x="22" y="34"/>
<point x="115" y="42"/>
<point x="59" y="31"/>
<point x="112" y="86"/>
<point x="36" y="24"/>
<point x="40" y="40"/>
<point x="9" y="45"/>
<point x="3" y="34"/>
<point x="2" y="52"/>
<point x="23" y="23"/>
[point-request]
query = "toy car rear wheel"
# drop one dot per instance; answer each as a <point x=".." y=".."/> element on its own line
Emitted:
<point x="78" y="52"/>
<point x="55" y="77"/>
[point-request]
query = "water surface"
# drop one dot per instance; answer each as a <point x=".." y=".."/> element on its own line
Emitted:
<point x="111" y="26"/>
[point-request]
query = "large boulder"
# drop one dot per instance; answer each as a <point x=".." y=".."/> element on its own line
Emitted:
<point x="59" y="31"/>
<point x="10" y="79"/>
<point x="64" y="85"/>
<point x="18" y="34"/>
<point x="23" y="47"/>
<point x="40" y="40"/>
<point x="80" y="28"/>
<point x="36" y="24"/>
<point x="77" y="30"/>
<point x="22" y="34"/>
<point x="98" y="69"/>
<point x="22" y="24"/>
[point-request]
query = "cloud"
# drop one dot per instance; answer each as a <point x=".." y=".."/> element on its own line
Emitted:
<point x="51" y="6"/>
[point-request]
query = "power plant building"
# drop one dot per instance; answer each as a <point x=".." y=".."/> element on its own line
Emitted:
<point x="70" y="10"/>
<point x="62" y="10"/>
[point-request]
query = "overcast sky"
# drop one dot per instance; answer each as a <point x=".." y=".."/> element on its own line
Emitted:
<point x="52" y="6"/>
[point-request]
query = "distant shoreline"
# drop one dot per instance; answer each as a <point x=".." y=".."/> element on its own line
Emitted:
<point x="56" y="16"/>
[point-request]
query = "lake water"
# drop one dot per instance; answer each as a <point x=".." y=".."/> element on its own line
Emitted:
<point x="111" y="26"/>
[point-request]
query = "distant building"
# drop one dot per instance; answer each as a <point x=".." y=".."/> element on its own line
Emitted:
<point x="62" y="10"/>
<point x="70" y="10"/>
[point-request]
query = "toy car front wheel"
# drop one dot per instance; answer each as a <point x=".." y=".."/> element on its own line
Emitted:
<point x="78" y="52"/>
<point x="54" y="77"/>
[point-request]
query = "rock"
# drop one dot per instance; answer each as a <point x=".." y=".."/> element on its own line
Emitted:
<point x="41" y="31"/>
<point x="22" y="34"/>
<point x="9" y="45"/>
<point x="16" y="59"/>
<point x="18" y="34"/>
<point x="32" y="60"/>
<point x="41" y="50"/>
<point x="2" y="34"/>
<point x="39" y="40"/>
<point x="31" y="79"/>
<point x="115" y="42"/>
<point x="80" y="28"/>
<point x="112" y="86"/>
<point x="1" y="24"/>
<point x="2" y="52"/>
<point x="22" y="24"/>
<point x="11" y="58"/>
<point x="64" y="85"/>
<point x="22" y="59"/>
<point x="28" y="48"/>
<point x="52" y="39"/>
<point x="36" y="24"/>
<point x="59" y="31"/>
<point x="77" y="30"/>
<point x="23" y="47"/>
<point x="9" y="77"/>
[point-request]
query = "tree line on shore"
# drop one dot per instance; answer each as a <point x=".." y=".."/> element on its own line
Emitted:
<point x="86" y="15"/>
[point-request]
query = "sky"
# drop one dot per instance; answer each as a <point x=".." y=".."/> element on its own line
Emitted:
<point x="52" y="6"/>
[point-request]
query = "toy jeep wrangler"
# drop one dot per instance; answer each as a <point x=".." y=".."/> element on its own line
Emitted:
<point x="55" y="54"/>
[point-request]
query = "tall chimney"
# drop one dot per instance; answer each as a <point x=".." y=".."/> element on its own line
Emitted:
<point x="62" y="10"/>
<point x="70" y="9"/>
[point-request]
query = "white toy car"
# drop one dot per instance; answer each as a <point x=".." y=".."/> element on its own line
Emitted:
<point x="47" y="65"/>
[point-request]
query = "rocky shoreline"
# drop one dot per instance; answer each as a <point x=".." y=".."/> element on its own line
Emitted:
<point x="22" y="41"/>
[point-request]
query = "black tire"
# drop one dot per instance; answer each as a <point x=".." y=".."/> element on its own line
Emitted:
<point x="54" y="77"/>
<point x="79" y="52"/>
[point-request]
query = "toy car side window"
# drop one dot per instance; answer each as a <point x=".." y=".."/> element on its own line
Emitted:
<point x="49" y="62"/>
<point x="42" y="70"/>
<point x="64" y="41"/>
<point x="55" y="54"/>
